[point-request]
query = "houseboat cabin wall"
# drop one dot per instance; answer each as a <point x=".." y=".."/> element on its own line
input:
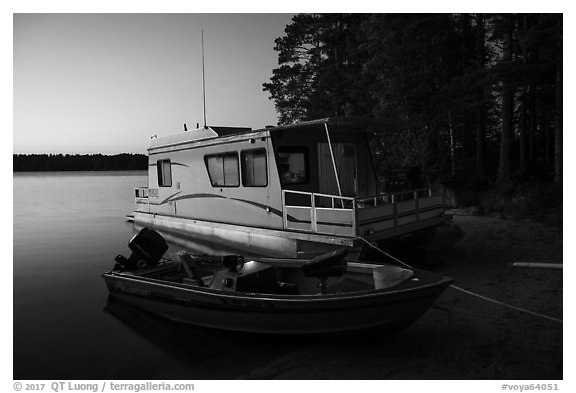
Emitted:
<point x="231" y="179"/>
<point x="238" y="178"/>
<point x="308" y="145"/>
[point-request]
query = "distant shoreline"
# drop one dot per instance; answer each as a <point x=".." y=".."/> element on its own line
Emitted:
<point x="84" y="171"/>
<point x="78" y="162"/>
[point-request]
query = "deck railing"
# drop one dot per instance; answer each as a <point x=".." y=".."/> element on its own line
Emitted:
<point x="393" y="197"/>
<point x="316" y="212"/>
<point x="348" y="216"/>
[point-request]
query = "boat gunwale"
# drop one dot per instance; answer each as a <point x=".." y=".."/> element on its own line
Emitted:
<point x="315" y="298"/>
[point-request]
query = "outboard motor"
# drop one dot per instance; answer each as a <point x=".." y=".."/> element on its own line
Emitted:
<point x="147" y="247"/>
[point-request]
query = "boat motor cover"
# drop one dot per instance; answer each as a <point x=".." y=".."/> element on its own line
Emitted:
<point x="148" y="245"/>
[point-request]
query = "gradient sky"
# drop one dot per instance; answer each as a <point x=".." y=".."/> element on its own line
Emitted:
<point x="104" y="83"/>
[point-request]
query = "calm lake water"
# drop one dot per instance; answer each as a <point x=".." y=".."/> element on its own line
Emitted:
<point x="68" y="227"/>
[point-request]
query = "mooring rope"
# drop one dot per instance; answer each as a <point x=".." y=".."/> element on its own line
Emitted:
<point x="384" y="252"/>
<point x="506" y="305"/>
<point x="465" y="290"/>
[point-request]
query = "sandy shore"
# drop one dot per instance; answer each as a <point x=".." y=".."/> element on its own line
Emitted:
<point x="475" y="339"/>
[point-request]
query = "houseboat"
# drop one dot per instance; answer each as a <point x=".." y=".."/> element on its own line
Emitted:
<point x="291" y="191"/>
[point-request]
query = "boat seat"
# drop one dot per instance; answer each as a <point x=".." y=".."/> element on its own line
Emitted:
<point x="190" y="266"/>
<point x="331" y="264"/>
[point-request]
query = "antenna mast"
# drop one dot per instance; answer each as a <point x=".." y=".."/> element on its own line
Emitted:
<point x="203" y="80"/>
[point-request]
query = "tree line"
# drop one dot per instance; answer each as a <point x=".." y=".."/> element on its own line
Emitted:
<point x="486" y="88"/>
<point x="77" y="162"/>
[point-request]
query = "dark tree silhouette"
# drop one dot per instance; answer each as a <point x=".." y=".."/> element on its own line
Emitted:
<point x="486" y="87"/>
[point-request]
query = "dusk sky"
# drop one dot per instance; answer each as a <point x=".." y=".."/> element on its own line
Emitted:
<point x="105" y="83"/>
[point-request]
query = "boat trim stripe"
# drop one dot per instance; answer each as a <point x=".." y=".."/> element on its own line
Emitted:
<point x="270" y="209"/>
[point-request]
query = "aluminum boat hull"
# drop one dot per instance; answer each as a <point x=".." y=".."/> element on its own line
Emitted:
<point x="281" y="314"/>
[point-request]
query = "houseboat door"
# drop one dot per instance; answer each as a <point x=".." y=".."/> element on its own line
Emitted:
<point x="346" y="164"/>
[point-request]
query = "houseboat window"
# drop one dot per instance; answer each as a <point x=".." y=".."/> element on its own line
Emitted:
<point x="164" y="173"/>
<point x="293" y="165"/>
<point x="223" y="169"/>
<point x="254" y="170"/>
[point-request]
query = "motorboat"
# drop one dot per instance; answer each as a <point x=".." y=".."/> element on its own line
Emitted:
<point x="325" y="294"/>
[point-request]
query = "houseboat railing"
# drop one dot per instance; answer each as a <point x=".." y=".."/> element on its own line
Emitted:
<point x="393" y="197"/>
<point x="348" y="216"/>
<point x="141" y="199"/>
<point x="317" y="212"/>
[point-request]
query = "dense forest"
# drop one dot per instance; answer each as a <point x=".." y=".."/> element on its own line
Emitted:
<point x="77" y="162"/>
<point x="486" y="89"/>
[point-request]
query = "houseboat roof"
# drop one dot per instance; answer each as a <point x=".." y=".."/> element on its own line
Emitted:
<point x="224" y="131"/>
<point x="198" y="134"/>
<point x="353" y="124"/>
<point x="346" y="124"/>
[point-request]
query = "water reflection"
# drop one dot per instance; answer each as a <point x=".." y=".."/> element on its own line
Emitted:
<point x="203" y="353"/>
<point x="218" y="354"/>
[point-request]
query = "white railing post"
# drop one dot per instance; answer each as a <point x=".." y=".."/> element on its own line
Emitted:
<point x="334" y="163"/>
<point x="313" y="223"/>
<point x="284" y="213"/>
<point x="354" y="216"/>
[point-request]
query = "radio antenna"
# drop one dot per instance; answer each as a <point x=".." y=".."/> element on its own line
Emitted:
<point x="203" y="80"/>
